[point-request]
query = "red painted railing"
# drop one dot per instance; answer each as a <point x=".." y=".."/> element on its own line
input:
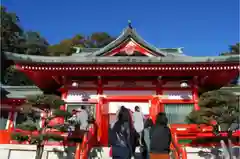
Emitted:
<point x="177" y="149"/>
<point x="183" y="153"/>
<point x="5" y="136"/>
<point x="194" y="132"/>
<point x="89" y="141"/>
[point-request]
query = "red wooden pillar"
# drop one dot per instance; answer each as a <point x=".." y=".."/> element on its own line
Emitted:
<point x="99" y="106"/>
<point x="11" y="120"/>
<point x="155" y="104"/>
<point x="159" y="84"/>
<point x="64" y="96"/>
<point x="104" y="123"/>
<point x="159" y="92"/>
<point x="195" y="92"/>
<point x="6" y="134"/>
<point x="78" y="151"/>
<point x="184" y="153"/>
<point x="102" y="117"/>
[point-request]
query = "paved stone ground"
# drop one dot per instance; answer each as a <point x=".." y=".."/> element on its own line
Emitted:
<point x="138" y="156"/>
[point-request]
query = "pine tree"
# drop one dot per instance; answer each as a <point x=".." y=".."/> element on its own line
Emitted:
<point x="30" y="131"/>
<point x="219" y="109"/>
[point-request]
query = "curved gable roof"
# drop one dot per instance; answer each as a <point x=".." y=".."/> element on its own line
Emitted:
<point x="128" y="34"/>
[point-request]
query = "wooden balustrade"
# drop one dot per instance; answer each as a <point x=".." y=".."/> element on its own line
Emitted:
<point x="5" y="136"/>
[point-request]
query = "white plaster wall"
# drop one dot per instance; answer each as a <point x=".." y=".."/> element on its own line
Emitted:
<point x="18" y="151"/>
<point x="14" y="151"/>
<point x="193" y="152"/>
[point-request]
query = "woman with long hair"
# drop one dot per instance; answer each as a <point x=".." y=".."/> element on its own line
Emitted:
<point x="121" y="135"/>
<point x="160" y="138"/>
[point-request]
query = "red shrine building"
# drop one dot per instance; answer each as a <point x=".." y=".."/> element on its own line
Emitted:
<point x="128" y="71"/>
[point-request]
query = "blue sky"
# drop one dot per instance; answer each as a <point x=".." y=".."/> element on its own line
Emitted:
<point x="203" y="27"/>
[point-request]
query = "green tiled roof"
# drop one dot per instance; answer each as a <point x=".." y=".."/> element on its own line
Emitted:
<point x="20" y="91"/>
<point x="235" y="89"/>
<point x="127" y="34"/>
<point x="172" y="50"/>
<point x="80" y="50"/>
<point x="120" y="59"/>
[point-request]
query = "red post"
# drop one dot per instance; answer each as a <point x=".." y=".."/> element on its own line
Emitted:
<point x="63" y="97"/>
<point x="11" y="120"/>
<point x="184" y="153"/>
<point x="78" y="151"/>
<point x="159" y="91"/>
<point x="99" y="108"/>
<point x="195" y="93"/>
<point x="99" y="117"/>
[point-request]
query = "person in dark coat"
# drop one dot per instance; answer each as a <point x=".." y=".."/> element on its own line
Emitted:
<point x="160" y="138"/>
<point x="148" y="124"/>
<point x="121" y="135"/>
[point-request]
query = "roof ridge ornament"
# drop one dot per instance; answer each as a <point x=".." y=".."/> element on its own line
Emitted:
<point x="130" y="24"/>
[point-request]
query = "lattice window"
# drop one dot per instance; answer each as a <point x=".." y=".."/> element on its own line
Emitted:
<point x="177" y="113"/>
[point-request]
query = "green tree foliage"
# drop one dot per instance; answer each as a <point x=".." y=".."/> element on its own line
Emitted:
<point x="10" y="36"/>
<point x="65" y="47"/>
<point x="11" y="31"/>
<point x="14" y="39"/>
<point x="33" y="44"/>
<point x="13" y="77"/>
<point x="31" y="132"/>
<point x="218" y="105"/>
<point x="233" y="50"/>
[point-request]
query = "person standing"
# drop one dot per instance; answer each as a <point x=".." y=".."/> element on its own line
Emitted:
<point x="138" y="124"/>
<point x="72" y="120"/>
<point x="82" y="117"/>
<point x="146" y="138"/>
<point x="120" y="136"/>
<point x="160" y="138"/>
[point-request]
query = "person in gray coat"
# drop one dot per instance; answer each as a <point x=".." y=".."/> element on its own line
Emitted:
<point x="82" y="118"/>
<point x="138" y="124"/>
<point x="146" y="138"/>
<point x="138" y="120"/>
